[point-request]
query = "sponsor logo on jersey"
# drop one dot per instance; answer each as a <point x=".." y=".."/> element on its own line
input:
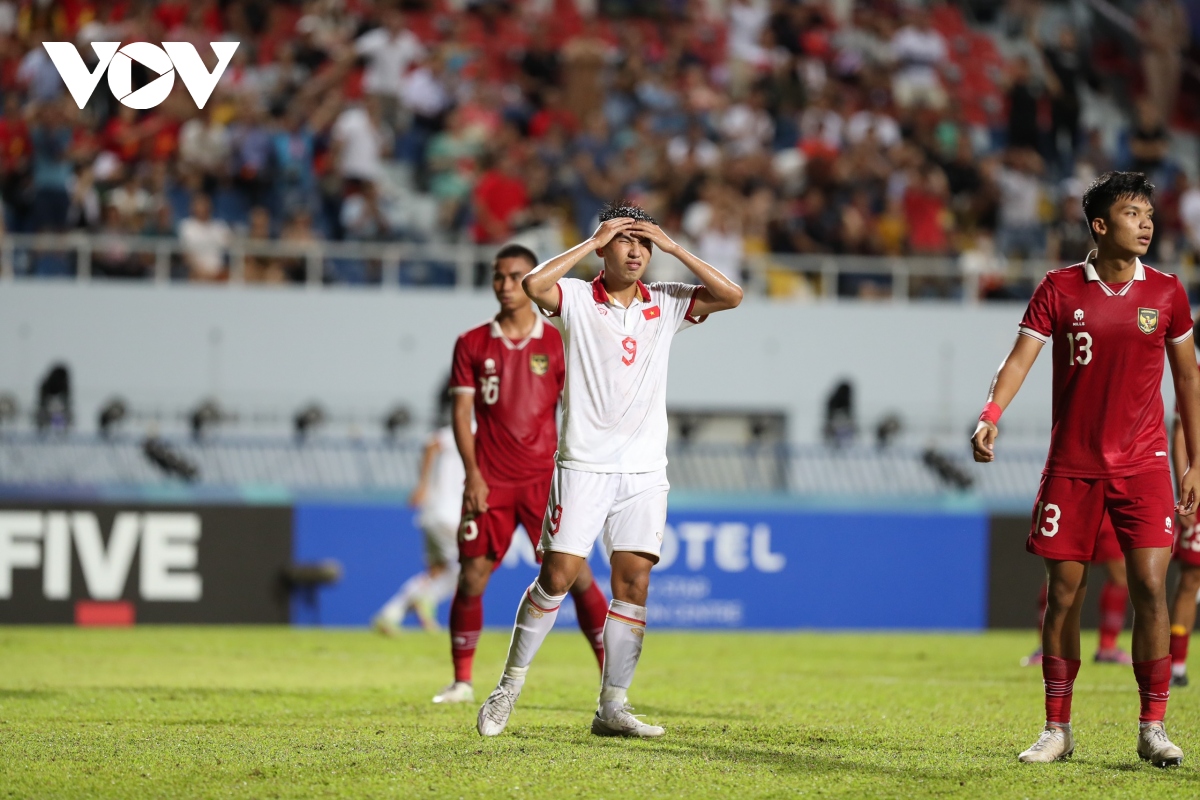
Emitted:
<point x="1148" y="320"/>
<point x="539" y="363"/>
<point x="1078" y="317"/>
<point x="489" y="366"/>
<point x="603" y="311"/>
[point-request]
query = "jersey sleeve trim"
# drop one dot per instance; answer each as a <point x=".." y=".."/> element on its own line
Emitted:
<point x="1179" y="339"/>
<point x="691" y="306"/>
<point x="462" y="390"/>
<point x="1032" y="334"/>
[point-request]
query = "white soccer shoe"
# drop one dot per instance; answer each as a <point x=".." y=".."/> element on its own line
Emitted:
<point x="457" y="692"/>
<point x="623" y="723"/>
<point x="495" y="711"/>
<point x="1053" y="744"/>
<point x="1155" y="747"/>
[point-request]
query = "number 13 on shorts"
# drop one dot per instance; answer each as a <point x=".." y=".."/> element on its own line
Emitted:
<point x="1048" y="515"/>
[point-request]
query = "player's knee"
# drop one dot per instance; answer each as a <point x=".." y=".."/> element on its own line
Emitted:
<point x="1148" y="588"/>
<point x="1189" y="578"/>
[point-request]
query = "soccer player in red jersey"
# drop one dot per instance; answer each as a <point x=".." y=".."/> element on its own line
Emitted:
<point x="1187" y="553"/>
<point x="509" y="372"/>
<point x="1110" y="317"/>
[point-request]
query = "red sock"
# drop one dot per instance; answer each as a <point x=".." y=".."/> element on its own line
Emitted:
<point x="1058" y="676"/>
<point x="466" y="621"/>
<point x="1179" y="644"/>
<point x="1113" y="599"/>
<point x="1154" y="686"/>
<point x="1042" y="609"/>
<point x="592" y="609"/>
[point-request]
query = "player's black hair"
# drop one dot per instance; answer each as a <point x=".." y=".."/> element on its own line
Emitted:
<point x="623" y="208"/>
<point x="1110" y="187"/>
<point x="516" y="251"/>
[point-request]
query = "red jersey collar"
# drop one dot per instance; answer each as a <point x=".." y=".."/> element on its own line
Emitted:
<point x="601" y="294"/>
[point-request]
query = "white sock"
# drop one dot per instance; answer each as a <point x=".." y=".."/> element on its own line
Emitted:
<point x="1179" y="669"/>
<point x="535" y="618"/>
<point x="395" y="608"/>
<point x="624" y="630"/>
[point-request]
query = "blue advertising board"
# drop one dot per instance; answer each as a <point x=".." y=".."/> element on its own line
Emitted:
<point x="729" y="568"/>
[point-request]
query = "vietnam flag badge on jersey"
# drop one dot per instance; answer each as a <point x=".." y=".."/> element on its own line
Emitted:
<point x="652" y="312"/>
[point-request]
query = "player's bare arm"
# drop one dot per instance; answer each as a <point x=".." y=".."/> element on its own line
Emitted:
<point x="1005" y="386"/>
<point x="541" y="283"/>
<point x="1187" y="393"/>
<point x="1179" y="460"/>
<point x="475" y="491"/>
<point x="717" y="292"/>
<point x="422" y="489"/>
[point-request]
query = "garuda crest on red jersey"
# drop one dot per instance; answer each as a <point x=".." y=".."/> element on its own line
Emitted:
<point x="1148" y="320"/>
<point x="539" y="363"/>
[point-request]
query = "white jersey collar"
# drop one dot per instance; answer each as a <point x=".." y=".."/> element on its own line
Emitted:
<point x="538" y="328"/>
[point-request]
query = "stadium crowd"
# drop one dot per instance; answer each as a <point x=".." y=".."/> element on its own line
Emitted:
<point x="749" y="127"/>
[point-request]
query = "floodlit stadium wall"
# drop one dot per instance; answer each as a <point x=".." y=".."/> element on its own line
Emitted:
<point x="728" y="567"/>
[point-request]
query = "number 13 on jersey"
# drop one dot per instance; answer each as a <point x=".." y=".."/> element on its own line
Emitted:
<point x="1079" y="348"/>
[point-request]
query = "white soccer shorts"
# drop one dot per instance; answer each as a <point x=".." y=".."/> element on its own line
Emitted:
<point x="629" y="509"/>
<point x="441" y="543"/>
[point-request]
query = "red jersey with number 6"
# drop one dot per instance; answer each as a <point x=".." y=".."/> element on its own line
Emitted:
<point x="1109" y="342"/>
<point x="516" y="387"/>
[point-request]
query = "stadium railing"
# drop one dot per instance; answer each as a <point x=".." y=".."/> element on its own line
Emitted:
<point x="31" y="462"/>
<point x="78" y="256"/>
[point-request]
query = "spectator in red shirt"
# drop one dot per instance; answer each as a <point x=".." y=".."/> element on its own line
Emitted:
<point x="925" y="212"/>
<point x="498" y="200"/>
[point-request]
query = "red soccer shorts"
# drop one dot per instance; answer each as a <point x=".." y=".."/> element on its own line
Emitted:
<point x="490" y="534"/>
<point x="1070" y="513"/>
<point x="1187" y="546"/>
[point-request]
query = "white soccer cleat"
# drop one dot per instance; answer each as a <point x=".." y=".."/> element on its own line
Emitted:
<point x="1155" y="747"/>
<point x="1053" y="744"/>
<point x="457" y="692"/>
<point x="623" y="723"/>
<point x="495" y="711"/>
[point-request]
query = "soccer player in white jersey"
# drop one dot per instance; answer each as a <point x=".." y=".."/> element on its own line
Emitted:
<point x="610" y="474"/>
<point x="438" y="498"/>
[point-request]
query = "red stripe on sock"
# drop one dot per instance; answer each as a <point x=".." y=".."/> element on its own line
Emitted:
<point x="1154" y="687"/>
<point x="1058" y="676"/>
<point x="529" y="597"/>
<point x="466" y="622"/>
<point x="629" y="620"/>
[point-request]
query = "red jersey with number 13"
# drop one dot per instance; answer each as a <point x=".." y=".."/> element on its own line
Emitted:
<point x="516" y="386"/>
<point x="1109" y="343"/>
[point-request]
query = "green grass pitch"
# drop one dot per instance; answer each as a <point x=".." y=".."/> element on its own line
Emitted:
<point x="279" y="712"/>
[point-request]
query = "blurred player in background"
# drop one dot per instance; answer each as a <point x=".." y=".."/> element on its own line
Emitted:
<point x="438" y="497"/>
<point x="1110" y="317"/>
<point x="1114" y="597"/>
<point x="1187" y="553"/>
<point x="509" y="373"/>
<point x="610" y="475"/>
